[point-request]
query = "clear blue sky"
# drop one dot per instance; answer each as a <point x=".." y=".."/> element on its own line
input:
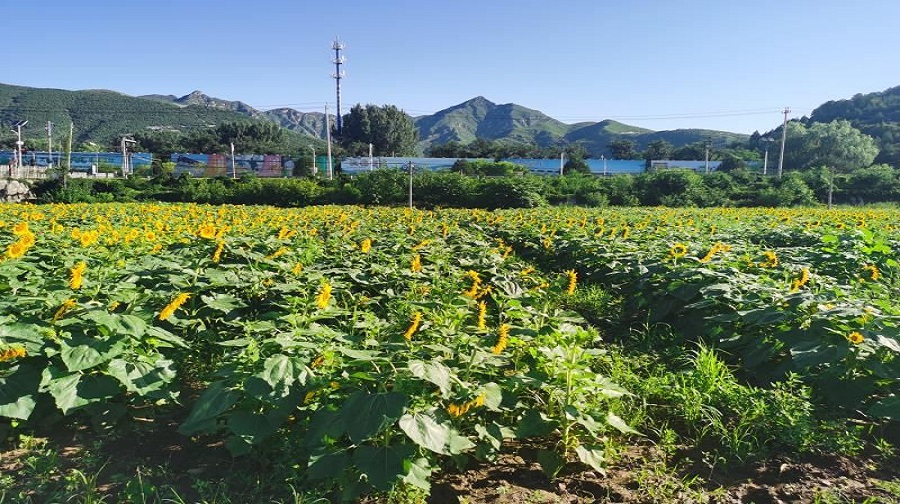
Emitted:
<point x="660" y="64"/>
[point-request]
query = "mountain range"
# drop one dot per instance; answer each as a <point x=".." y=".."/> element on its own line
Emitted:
<point x="102" y="116"/>
<point x="479" y="118"/>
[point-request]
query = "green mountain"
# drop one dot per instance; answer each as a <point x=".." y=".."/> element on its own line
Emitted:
<point x="102" y="116"/>
<point x="481" y="118"/>
<point x="875" y="114"/>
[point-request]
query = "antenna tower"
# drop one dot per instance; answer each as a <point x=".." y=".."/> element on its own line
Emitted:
<point x="338" y="75"/>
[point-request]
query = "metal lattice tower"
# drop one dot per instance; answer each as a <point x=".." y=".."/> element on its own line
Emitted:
<point x="338" y="75"/>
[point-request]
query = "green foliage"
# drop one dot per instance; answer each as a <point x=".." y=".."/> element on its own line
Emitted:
<point x="484" y="168"/>
<point x="390" y="131"/>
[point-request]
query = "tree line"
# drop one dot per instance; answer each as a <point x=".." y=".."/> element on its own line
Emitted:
<point x="675" y="188"/>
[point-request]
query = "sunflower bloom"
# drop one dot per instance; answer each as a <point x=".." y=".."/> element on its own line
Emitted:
<point x="476" y="284"/>
<point x="76" y="275"/>
<point x="855" y="337"/>
<point x="502" y="339"/>
<point x="16" y="250"/>
<point x="324" y="296"/>
<point x="413" y="326"/>
<point x="278" y="253"/>
<point x="416" y="264"/>
<point x="873" y="273"/>
<point x="12" y="353"/>
<point x="174" y="305"/>
<point x="718" y="247"/>
<point x="207" y="232"/>
<point x="21" y="228"/>
<point x="365" y="246"/>
<point x="458" y="410"/>
<point x="67" y="305"/>
<point x="800" y="282"/>
<point x="573" y="281"/>
<point x="217" y="255"/>
<point x="482" y="314"/>
<point x="771" y="260"/>
<point x="678" y="250"/>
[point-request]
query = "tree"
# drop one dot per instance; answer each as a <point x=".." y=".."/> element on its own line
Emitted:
<point x="622" y="149"/>
<point x="658" y="149"/>
<point x="390" y="131"/>
<point x="576" y="165"/>
<point x="839" y="145"/>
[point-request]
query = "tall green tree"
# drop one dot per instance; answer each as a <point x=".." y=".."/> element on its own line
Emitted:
<point x="839" y="145"/>
<point x="390" y="131"/>
<point x="622" y="149"/>
<point x="658" y="149"/>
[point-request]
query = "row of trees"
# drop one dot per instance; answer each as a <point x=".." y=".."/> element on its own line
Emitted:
<point x="880" y="183"/>
<point x="836" y="144"/>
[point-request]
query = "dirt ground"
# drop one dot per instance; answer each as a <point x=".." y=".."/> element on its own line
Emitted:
<point x="639" y="473"/>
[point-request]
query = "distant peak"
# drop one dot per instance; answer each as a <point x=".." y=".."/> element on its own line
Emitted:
<point x="478" y="100"/>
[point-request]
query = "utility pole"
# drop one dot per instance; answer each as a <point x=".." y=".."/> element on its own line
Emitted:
<point x="603" y="158"/>
<point x="314" y="169"/>
<point x="49" y="144"/>
<point x="328" y="139"/>
<point x="410" y="168"/>
<point x="19" y="143"/>
<point x="338" y="75"/>
<point x="561" y="157"/>
<point x="126" y="166"/>
<point x="706" y="159"/>
<point x="233" y="164"/>
<point x="69" y="153"/>
<point x="786" y="111"/>
<point x="766" y="140"/>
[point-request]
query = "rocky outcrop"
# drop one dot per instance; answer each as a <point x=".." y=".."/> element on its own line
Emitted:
<point x="14" y="191"/>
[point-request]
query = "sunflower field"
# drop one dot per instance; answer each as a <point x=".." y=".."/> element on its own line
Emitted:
<point x="380" y="346"/>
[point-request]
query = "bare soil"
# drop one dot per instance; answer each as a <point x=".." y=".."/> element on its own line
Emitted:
<point x="640" y="473"/>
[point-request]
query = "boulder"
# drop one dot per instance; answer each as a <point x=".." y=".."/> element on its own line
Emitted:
<point x="14" y="191"/>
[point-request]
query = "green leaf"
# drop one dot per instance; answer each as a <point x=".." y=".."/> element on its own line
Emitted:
<point x="324" y="424"/>
<point x="458" y="443"/>
<point x="888" y="408"/>
<point x="223" y="302"/>
<point x="72" y="391"/>
<point x="426" y="432"/>
<point x="92" y="352"/>
<point x="279" y="372"/>
<point x="763" y="316"/>
<point x="382" y="465"/>
<point x="18" y="391"/>
<point x="592" y="456"/>
<point x="493" y="396"/>
<point x="163" y="335"/>
<point x="251" y="427"/>
<point x="132" y="325"/>
<point x="619" y="424"/>
<point x="237" y="446"/>
<point x="142" y="377"/>
<point x="534" y="424"/>
<point x="551" y="462"/>
<point x="365" y="415"/>
<point x="211" y="403"/>
<point x="419" y="474"/>
<point x="434" y="372"/>
<point x="327" y="465"/>
<point x="26" y="335"/>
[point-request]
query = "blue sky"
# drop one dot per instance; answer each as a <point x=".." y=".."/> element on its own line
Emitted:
<point x="660" y="64"/>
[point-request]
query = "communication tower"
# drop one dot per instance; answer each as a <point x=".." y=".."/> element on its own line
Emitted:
<point x="338" y="75"/>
